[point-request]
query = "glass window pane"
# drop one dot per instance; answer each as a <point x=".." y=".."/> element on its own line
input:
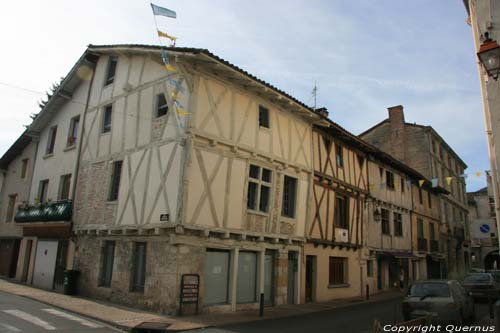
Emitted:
<point x="264" y="198"/>
<point x="266" y="175"/>
<point x="254" y="172"/>
<point x="252" y="196"/>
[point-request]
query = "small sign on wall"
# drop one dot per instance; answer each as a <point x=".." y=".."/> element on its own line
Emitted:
<point x="164" y="217"/>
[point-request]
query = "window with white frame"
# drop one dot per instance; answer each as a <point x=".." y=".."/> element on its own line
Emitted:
<point x="259" y="188"/>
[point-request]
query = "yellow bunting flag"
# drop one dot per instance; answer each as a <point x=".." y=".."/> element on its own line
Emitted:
<point x="372" y="187"/>
<point x="181" y="111"/>
<point x="170" y="68"/>
<point x="448" y="180"/>
<point x="421" y="182"/>
<point x="478" y="173"/>
<point x="174" y="94"/>
<point x="163" y="34"/>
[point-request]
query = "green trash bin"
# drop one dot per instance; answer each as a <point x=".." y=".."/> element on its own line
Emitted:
<point x="70" y="277"/>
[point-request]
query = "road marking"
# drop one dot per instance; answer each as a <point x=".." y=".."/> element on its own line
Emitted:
<point x="32" y="319"/>
<point x="8" y="328"/>
<point x="71" y="317"/>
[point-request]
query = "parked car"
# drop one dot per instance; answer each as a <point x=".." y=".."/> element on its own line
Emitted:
<point x="483" y="285"/>
<point x="446" y="301"/>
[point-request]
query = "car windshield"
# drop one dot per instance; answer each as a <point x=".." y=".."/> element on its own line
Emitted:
<point x="475" y="278"/>
<point x="429" y="290"/>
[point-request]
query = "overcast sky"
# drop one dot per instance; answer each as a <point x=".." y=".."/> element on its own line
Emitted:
<point x="365" y="55"/>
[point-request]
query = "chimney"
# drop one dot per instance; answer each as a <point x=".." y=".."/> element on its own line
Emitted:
<point x="396" y="114"/>
<point x="322" y="111"/>
<point x="397" y="140"/>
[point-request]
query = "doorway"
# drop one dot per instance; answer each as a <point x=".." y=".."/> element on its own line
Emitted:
<point x="310" y="262"/>
<point x="292" y="272"/>
<point x="269" y="278"/>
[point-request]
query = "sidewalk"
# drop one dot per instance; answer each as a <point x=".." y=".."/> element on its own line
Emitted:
<point x="127" y="318"/>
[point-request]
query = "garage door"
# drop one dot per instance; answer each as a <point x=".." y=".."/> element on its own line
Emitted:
<point x="247" y="276"/>
<point x="216" y="277"/>
<point x="45" y="264"/>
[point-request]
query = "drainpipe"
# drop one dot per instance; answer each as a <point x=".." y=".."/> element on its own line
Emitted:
<point x="487" y="117"/>
<point x="77" y="164"/>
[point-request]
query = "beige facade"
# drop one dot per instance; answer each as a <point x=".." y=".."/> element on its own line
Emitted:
<point x="423" y="149"/>
<point x="388" y="246"/>
<point x="214" y="190"/>
<point x="332" y="264"/>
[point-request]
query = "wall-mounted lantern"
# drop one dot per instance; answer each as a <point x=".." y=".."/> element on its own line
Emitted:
<point x="489" y="56"/>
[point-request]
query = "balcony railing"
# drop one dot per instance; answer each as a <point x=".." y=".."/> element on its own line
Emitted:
<point x="50" y="211"/>
<point x="422" y="244"/>
<point x="434" y="246"/>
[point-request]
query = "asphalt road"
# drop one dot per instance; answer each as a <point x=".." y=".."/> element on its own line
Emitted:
<point x="19" y="314"/>
<point x="356" y="318"/>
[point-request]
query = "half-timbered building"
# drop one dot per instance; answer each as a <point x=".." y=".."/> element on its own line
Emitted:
<point x="217" y="190"/>
<point x="333" y="265"/>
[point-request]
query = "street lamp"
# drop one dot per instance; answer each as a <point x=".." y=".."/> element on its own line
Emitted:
<point x="489" y="56"/>
<point x="377" y="215"/>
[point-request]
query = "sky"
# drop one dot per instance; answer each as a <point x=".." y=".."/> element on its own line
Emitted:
<point x="364" y="56"/>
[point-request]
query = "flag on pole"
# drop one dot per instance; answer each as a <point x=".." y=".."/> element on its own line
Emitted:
<point x="434" y="182"/>
<point x="421" y="182"/>
<point x="164" y="34"/>
<point x="161" y="11"/>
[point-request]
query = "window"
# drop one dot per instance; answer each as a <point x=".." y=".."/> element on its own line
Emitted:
<point x="361" y="161"/>
<point x="139" y="267"/>
<point x="73" y="131"/>
<point x="434" y="147"/>
<point x="337" y="271"/>
<point x="108" y="255"/>
<point x="402" y="184"/>
<point x="24" y="168"/>
<point x="341" y="212"/>
<point x="115" y="180"/>
<point x="110" y="75"/>
<point x="389" y="179"/>
<point x="398" y="224"/>
<point x="420" y="196"/>
<point x="42" y="190"/>
<point x="420" y="228"/>
<point x="106" y="119"/>
<point x="339" y="157"/>
<point x="263" y="117"/>
<point x="289" y="197"/>
<point x="386" y="229"/>
<point x="11" y="208"/>
<point x="259" y="188"/>
<point x="429" y="199"/>
<point x="369" y="268"/>
<point x="51" y="140"/>
<point x="432" y="232"/>
<point x="64" y="187"/>
<point x="161" y="105"/>
<point x="381" y="172"/>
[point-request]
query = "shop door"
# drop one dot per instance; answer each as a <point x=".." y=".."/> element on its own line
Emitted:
<point x="309" y="277"/>
<point x="45" y="264"/>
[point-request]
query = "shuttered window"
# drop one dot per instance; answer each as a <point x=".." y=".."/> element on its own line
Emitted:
<point x="108" y="256"/>
<point x="139" y="267"/>
<point x="337" y="271"/>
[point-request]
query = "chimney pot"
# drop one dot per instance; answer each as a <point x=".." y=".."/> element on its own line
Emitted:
<point x="322" y="111"/>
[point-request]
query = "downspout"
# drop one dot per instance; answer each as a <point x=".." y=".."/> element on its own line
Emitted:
<point x="77" y="167"/>
<point x="487" y="117"/>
